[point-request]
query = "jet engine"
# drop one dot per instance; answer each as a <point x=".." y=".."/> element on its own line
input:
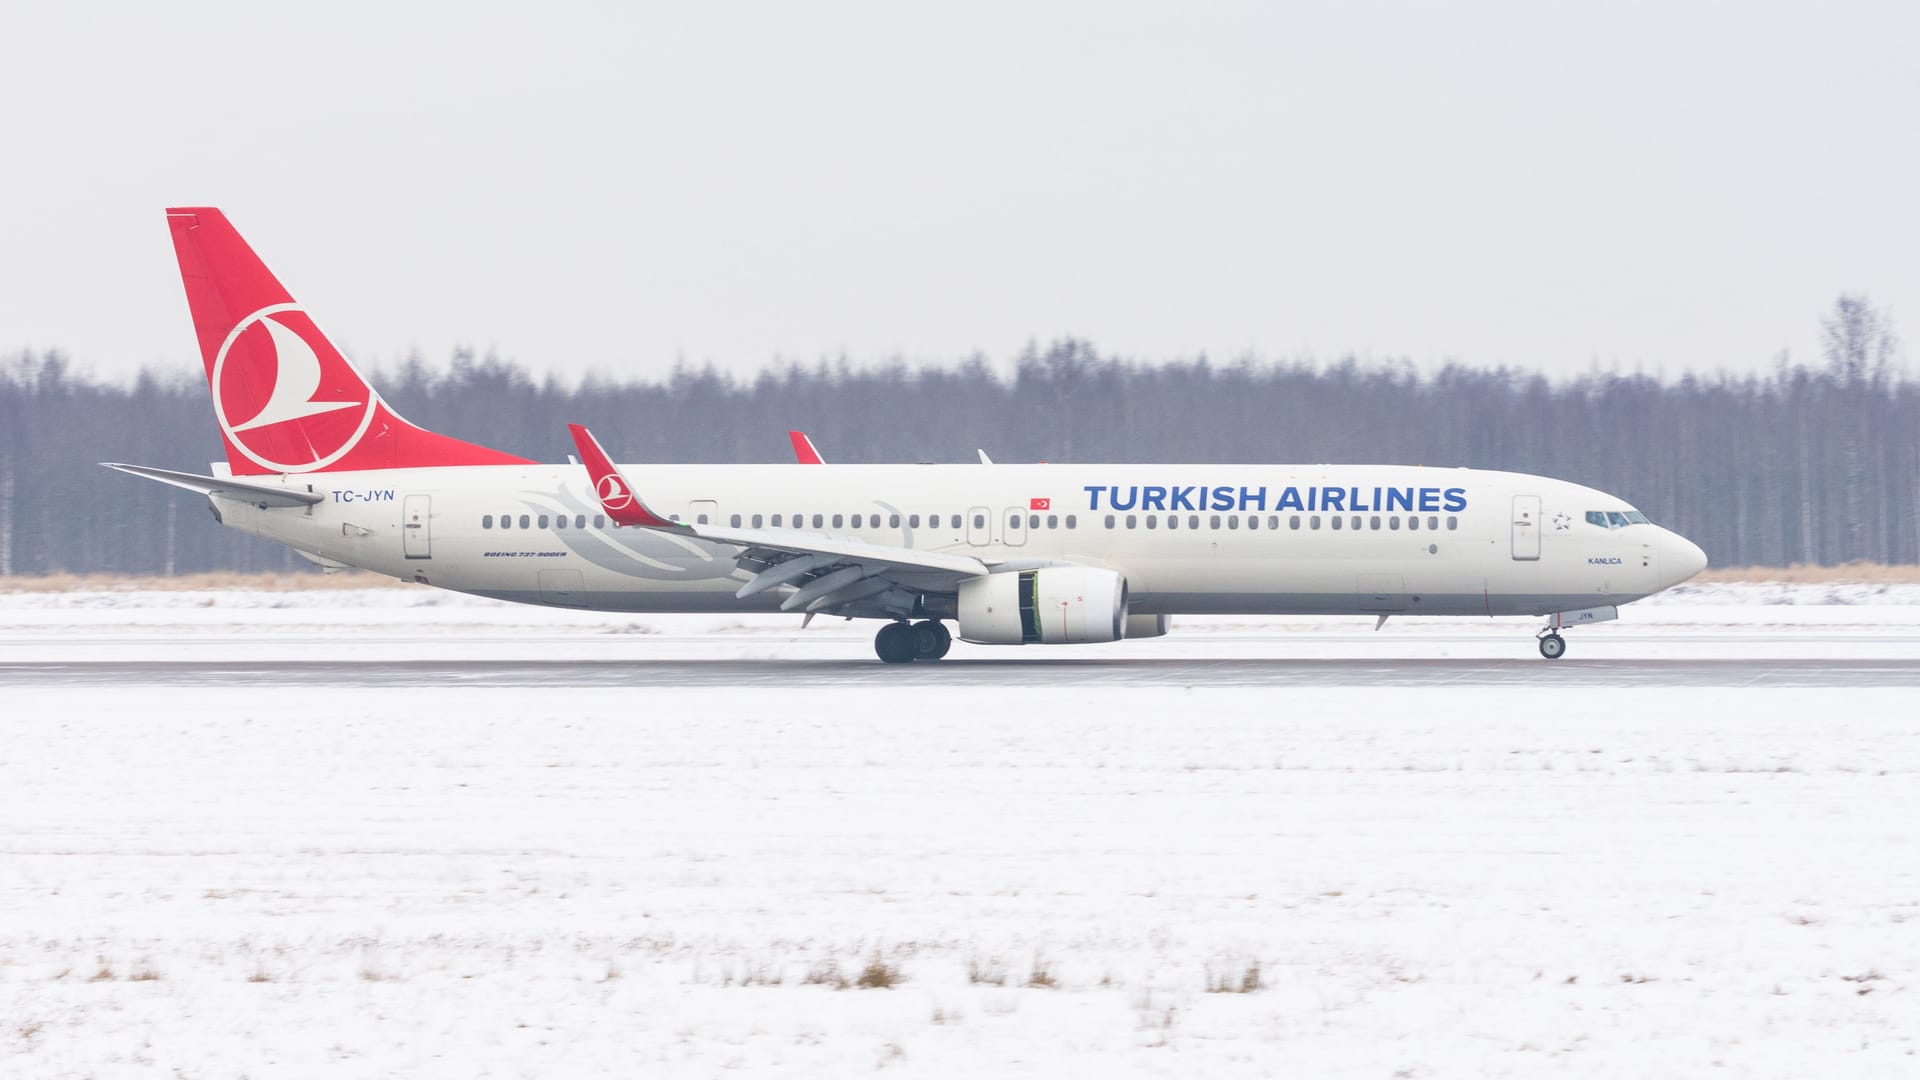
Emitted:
<point x="1054" y="605"/>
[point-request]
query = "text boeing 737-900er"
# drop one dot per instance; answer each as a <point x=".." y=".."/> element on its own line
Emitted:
<point x="1011" y="554"/>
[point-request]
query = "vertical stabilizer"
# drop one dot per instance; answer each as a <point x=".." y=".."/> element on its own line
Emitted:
<point x="287" y="400"/>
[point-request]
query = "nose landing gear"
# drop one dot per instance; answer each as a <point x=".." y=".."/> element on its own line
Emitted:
<point x="1552" y="645"/>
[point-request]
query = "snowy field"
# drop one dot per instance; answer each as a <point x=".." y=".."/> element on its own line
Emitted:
<point x="843" y="878"/>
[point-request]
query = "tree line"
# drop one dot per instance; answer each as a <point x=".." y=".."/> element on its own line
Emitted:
<point x="1809" y="462"/>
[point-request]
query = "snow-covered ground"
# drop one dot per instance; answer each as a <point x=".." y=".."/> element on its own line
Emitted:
<point x="1077" y="881"/>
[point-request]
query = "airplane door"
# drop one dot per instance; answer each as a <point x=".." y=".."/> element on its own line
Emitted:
<point x="979" y="524"/>
<point x="705" y="512"/>
<point x="1526" y="526"/>
<point x="416" y="515"/>
<point x="1016" y="526"/>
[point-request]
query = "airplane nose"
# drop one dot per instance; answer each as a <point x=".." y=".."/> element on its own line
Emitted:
<point x="1680" y="559"/>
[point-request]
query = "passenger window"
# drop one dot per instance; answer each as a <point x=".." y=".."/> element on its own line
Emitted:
<point x="913" y="521"/>
<point x="1314" y="521"/>
<point x="819" y="521"/>
<point x="1033" y="521"/>
<point x="775" y="522"/>
<point x="1294" y="522"/>
<point x="506" y="521"/>
<point x="1214" y="523"/>
<point x="1336" y="520"/>
<point x="599" y="521"/>
<point x="757" y="521"/>
<point x="1072" y="521"/>
<point x="1374" y="523"/>
<point x="579" y="521"/>
<point x="1153" y="520"/>
<point x="1013" y="521"/>
<point x="873" y="521"/>
<point x="1434" y="523"/>
<point x="954" y="522"/>
<point x="486" y="521"/>
<point x="1253" y="521"/>
<point x="1193" y="521"/>
<point x="1132" y="521"/>
<point x="1053" y="521"/>
<point x="1109" y="521"/>
<point x="1173" y="521"/>
<point x="1393" y="524"/>
<point x="560" y="522"/>
<point x="543" y="521"/>
<point x="1356" y="522"/>
<point x="525" y="522"/>
<point x="893" y="521"/>
<point x="735" y="521"/>
<point x="837" y="519"/>
<point x="1233" y="521"/>
<point x="979" y="521"/>
<point x="1413" y="522"/>
<point x="1453" y="523"/>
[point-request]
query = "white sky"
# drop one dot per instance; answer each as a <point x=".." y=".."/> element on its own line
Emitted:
<point x="1658" y="186"/>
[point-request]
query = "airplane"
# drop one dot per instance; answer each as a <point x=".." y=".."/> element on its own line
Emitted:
<point x="1010" y="554"/>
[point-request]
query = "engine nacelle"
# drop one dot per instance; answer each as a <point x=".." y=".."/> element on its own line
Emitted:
<point x="1054" y="605"/>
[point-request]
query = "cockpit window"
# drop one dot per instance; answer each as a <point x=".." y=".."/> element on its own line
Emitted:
<point x="1614" y="519"/>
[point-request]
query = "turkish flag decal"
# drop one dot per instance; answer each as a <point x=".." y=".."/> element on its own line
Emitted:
<point x="1039" y="504"/>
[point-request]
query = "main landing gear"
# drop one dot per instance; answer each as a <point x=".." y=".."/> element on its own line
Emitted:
<point x="903" y="643"/>
<point x="1552" y="645"/>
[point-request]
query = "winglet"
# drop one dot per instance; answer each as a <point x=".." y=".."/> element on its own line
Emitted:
<point x="803" y="450"/>
<point x="616" y="495"/>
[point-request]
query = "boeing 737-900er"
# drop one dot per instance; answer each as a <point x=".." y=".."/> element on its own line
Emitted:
<point x="1045" y="554"/>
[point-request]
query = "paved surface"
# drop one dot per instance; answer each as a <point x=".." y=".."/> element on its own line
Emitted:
<point x="1012" y="672"/>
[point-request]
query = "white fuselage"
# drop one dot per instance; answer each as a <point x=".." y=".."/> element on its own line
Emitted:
<point x="1253" y="539"/>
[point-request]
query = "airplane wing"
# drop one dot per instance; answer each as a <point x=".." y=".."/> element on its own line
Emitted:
<point x="260" y="495"/>
<point x="828" y="572"/>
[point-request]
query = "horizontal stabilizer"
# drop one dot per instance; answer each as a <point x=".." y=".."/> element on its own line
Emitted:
<point x="258" y="494"/>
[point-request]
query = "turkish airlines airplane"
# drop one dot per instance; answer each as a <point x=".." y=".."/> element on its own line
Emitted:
<point x="1010" y="554"/>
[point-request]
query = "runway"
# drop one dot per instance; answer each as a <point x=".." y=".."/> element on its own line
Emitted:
<point x="990" y="672"/>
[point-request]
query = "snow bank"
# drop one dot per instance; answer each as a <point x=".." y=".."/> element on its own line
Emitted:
<point x="459" y="883"/>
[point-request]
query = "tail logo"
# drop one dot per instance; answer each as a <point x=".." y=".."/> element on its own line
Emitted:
<point x="613" y="494"/>
<point x="275" y="369"/>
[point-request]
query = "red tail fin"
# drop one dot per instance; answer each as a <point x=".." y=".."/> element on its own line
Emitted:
<point x="287" y="401"/>
<point x="803" y="451"/>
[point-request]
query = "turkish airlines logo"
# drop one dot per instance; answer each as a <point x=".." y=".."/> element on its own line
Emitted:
<point x="284" y="396"/>
<point x="613" y="494"/>
<point x="1039" y="504"/>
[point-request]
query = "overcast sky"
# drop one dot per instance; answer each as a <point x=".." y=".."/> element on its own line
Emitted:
<point x="1659" y="186"/>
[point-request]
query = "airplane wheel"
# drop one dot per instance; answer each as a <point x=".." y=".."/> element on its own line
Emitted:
<point x="931" y="640"/>
<point x="1553" y="646"/>
<point x="894" y="643"/>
